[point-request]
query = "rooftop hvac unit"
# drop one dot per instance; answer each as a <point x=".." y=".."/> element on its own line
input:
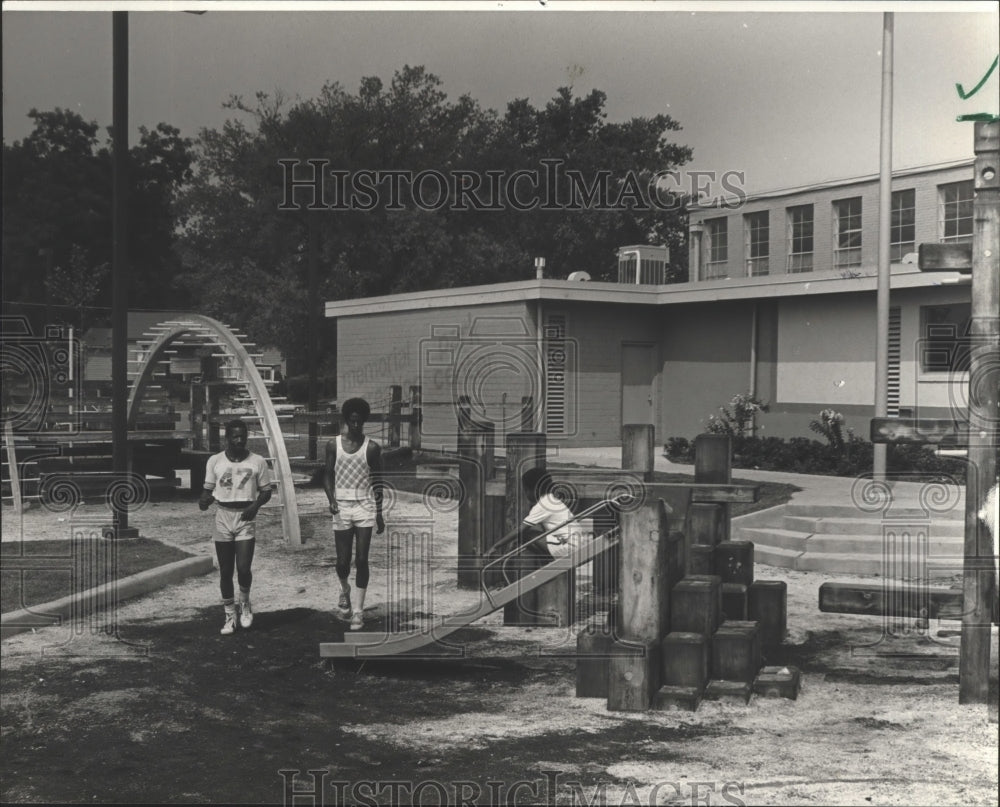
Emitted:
<point x="578" y="276"/>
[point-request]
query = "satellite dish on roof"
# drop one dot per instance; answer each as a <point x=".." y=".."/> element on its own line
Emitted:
<point x="578" y="276"/>
<point x="911" y="257"/>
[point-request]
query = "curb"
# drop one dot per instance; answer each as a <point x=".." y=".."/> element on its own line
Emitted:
<point x="83" y="603"/>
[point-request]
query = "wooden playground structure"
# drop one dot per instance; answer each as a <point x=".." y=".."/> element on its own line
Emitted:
<point x="974" y="428"/>
<point x="690" y="621"/>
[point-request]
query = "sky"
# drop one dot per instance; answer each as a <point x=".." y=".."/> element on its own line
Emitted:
<point x="789" y="97"/>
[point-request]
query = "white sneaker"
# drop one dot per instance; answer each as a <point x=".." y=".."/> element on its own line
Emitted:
<point x="357" y="620"/>
<point x="246" y="614"/>
<point x="230" y="625"/>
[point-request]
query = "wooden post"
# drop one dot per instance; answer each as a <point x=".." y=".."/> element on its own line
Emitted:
<point x="709" y="523"/>
<point x="527" y="413"/>
<point x="524" y="450"/>
<point x="416" y="417"/>
<point x="12" y="469"/>
<point x="395" y="414"/>
<point x="471" y="513"/>
<point x="638" y="448"/>
<point x="984" y="417"/>
<point x="198" y="441"/>
<point x="637" y="456"/>
<point x="212" y="418"/>
<point x="644" y="605"/>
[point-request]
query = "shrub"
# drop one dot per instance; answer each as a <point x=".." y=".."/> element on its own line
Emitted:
<point x="805" y="456"/>
<point x="830" y="425"/>
<point x="738" y="420"/>
<point x="678" y="449"/>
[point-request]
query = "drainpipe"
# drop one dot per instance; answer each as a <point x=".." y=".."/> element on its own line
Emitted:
<point x="539" y="349"/>
<point x="753" y="362"/>
<point x="540" y="385"/>
<point x="694" y="270"/>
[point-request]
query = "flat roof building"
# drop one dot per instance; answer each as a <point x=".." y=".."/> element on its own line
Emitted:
<point x="780" y="302"/>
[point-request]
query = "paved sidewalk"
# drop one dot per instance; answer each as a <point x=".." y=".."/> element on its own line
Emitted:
<point x="816" y="488"/>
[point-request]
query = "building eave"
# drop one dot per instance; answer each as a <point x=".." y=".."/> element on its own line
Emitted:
<point x="549" y="290"/>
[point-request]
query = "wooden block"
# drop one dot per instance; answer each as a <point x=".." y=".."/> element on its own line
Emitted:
<point x="592" y="648"/>
<point x="738" y="691"/>
<point x="524" y="610"/>
<point x="933" y="257"/>
<point x="645" y="572"/>
<point x="702" y="559"/>
<point x="707" y="523"/>
<point x="891" y="599"/>
<point x="696" y="605"/>
<point x="634" y="680"/>
<point x="778" y="682"/>
<point x="676" y="551"/>
<point x="677" y="699"/>
<point x="685" y="660"/>
<point x="734" y="562"/>
<point x="595" y="647"/>
<point x="734" y="601"/>
<point x="555" y="601"/>
<point x="736" y="651"/>
<point x="767" y="605"/>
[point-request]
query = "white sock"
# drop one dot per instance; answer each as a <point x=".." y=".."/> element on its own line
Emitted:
<point x="358" y="600"/>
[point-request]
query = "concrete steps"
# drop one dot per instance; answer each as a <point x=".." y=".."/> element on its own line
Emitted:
<point x="908" y="540"/>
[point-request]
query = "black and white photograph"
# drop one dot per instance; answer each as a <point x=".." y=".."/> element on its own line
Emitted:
<point x="484" y="402"/>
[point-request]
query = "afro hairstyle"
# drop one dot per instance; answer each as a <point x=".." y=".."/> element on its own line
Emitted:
<point x="359" y="405"/>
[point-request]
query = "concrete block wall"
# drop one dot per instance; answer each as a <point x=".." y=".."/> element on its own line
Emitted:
<point x="433" y="348"/>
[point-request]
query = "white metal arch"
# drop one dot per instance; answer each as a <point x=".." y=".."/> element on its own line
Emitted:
<point x="240" y="369"/>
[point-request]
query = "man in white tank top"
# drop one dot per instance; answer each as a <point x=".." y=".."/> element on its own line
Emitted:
<point x="354" y="489"/>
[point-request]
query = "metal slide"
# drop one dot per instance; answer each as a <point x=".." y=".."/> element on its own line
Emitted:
<point x="363" y="644"/>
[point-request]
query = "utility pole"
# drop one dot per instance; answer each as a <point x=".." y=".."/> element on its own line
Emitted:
<point x="119" y="274"/>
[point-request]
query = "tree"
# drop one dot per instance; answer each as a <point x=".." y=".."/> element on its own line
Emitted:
<point x="77" y="284"/>
<point x="57" y="209"/>
<point x="247" y="251"/>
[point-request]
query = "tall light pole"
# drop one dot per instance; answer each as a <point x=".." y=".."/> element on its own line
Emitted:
<point x="884" y="213"/>
<point x="119" y="273"/>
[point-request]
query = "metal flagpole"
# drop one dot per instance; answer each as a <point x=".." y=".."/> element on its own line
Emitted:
<point x="884" y="213"/>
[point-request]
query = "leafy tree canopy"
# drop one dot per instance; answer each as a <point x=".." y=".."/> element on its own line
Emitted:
<point x="57" y="213"/>
<point x="249" y="259"/>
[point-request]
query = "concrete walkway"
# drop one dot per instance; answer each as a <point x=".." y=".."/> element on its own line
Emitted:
<point x="815" y="488"/>
<point x="838" y="524"/>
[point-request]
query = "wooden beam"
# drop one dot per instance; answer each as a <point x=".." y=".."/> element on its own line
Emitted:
<point x="945" y="258"/>
<point x="885" y="599"/>
<point x="599" y="483"/>
<point x="923" y="430"/>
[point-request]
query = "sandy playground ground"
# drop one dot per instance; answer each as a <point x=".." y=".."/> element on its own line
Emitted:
<point x="150" y="704"/>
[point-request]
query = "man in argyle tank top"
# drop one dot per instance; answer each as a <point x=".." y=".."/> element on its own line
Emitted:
<point x="353" y="487"/>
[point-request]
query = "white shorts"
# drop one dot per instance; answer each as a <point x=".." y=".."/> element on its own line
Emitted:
<point x="229" y="527"/>
<point x="354" y="514"/>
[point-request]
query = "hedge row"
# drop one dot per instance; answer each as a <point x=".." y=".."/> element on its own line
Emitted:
<point x="805" y="456"/>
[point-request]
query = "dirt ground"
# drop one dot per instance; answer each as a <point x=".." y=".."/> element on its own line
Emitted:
<point x="150" y="704"/>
